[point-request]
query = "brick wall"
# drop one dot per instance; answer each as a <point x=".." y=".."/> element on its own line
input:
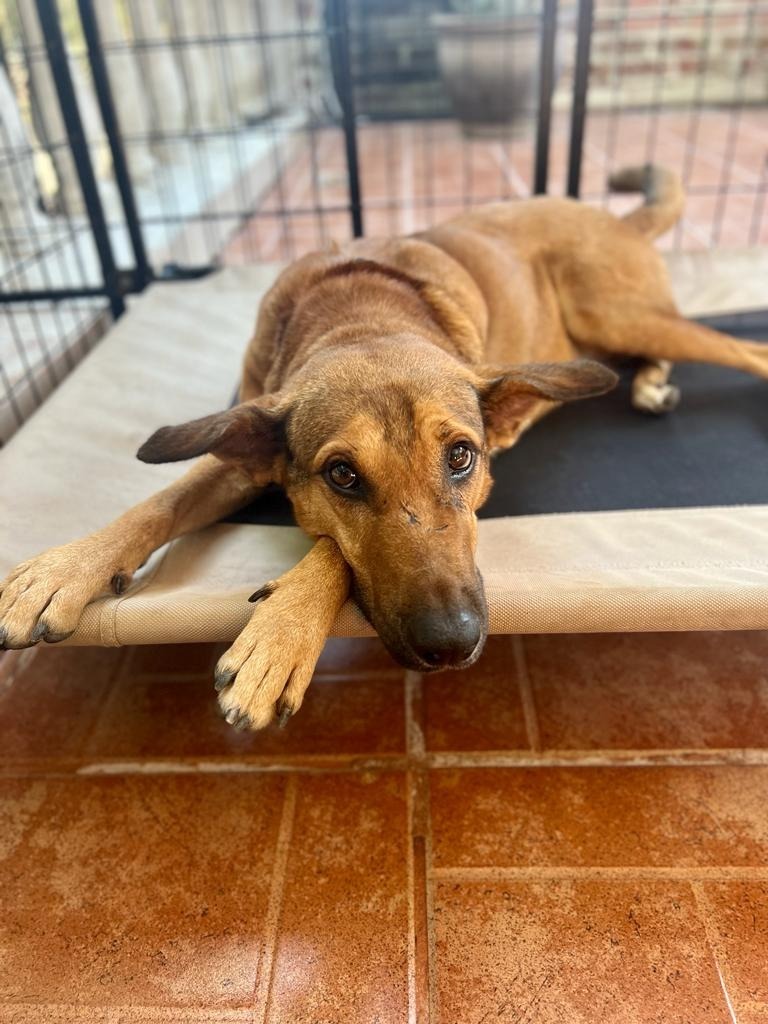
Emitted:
<point x="666" y="52"/>
<point x="709" y="51"/>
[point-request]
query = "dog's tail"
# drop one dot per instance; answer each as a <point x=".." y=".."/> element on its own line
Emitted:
<point x="664" y="197"/>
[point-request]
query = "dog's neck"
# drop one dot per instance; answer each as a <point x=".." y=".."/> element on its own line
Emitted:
<point x="361" y="302"/>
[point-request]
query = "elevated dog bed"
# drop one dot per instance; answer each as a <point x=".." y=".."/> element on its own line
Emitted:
<point x="601" y="519"/>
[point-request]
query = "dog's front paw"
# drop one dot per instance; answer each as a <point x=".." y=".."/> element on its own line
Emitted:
<point x="44" y="597"/>
<point x="266" y="671"/>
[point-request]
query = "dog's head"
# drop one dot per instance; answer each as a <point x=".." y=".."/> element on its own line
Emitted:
<point x="385" y="449"/>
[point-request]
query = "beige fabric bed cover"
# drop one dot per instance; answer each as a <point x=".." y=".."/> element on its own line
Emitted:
<point x="176" y="354"/>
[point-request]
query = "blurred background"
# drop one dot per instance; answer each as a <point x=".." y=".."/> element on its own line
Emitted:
<point x="159" y="139"/>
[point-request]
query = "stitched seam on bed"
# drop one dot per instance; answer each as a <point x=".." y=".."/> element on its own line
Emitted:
<point x="141" y="587"/>
<point x="644" y="567"/>
<point x="678" y="512"/>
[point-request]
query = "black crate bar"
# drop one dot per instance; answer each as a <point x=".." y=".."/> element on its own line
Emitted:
<point x="337" y="19"/>
<point x="546" y="88"/>
<point x="579" y="101"/>
<point x="59" y="63"/>
<point x="142" y="272"/>
<point x="253" y="206"/>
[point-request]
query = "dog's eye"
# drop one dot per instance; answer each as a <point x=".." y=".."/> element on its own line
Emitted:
<point x="460" y="458"/>
<point x="342" y="475"/>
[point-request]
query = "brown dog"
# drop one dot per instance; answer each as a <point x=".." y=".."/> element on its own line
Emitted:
<point x="380" y="378"/>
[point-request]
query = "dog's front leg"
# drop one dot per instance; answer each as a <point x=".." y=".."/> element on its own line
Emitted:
<point x="268" y="668"/>
<point x="44" y="597"/>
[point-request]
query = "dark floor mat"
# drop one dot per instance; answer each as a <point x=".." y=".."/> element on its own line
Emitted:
<point x="602" y="455"/>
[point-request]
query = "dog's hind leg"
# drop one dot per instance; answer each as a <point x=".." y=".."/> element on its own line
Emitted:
<point x="44" y="597"/>
<point x="665" y="336"/>
<point x="268" y="668"/>
<point x="651" y="390"/>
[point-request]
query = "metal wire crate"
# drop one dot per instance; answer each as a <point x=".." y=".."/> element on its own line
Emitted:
<point x="157" y="139"/>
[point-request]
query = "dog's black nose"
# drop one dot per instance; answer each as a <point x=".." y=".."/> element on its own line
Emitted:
<point x="445" y="638"/>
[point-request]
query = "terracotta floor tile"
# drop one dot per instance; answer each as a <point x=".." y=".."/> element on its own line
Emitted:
<point x="738" y="918"/>
<point x="576" y="952"/>
<point x="172" y="659"/>
<point x="135" y="891"/>
<point x="355" y="657"/>
<point x="479" y="709"/>
<point x="415" y="168"/>
<point x="660" y="816"/>
<point x="180" y="718"/>
<point x="342" y="946"/>
<point x="640" y="691"/>
<point x="50" y="707"/>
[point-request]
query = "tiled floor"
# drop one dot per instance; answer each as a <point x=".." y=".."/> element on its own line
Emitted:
<point x="414" y="174"/>
<point x="575" y="831"/>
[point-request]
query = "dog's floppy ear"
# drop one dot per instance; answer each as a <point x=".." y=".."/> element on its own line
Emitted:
<point x="251" y="432"/>
<point x="508" y="394"/>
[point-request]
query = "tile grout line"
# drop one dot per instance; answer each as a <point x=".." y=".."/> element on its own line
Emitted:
<point x="415" y="743"/>
<point x="433" y="1005"/>
<point x="704" y="917"/>
<point x="726" y="996"/>
<point x="629" y="873"/>
<point x="681" y="758"/>
<point x="227" y="765"/>
<point x="526" y="695"/>
<point x="264" y="974"/>
<point x="420" y="955"/>
<point x="408" y="685"/>
<point x="410" y="875"/>
<point x="407" y="199"/>
<point x="509" y="172"/>
<point x="323" y="764"/>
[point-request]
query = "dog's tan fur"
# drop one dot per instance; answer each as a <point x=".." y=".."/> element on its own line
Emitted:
<point x="385" y="354"/>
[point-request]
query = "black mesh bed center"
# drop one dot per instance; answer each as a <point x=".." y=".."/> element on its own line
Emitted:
<point x="603" y="455"/>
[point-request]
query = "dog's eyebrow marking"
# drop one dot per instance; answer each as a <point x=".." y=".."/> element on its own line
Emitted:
<point x="462" y="420"/>
<point x="335" y="446"/>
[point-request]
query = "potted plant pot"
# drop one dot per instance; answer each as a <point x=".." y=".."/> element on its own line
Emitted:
<point x="489" y="63"/>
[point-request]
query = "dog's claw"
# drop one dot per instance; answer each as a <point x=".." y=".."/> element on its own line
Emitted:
<point x="262" y="593"/>
<point x="56" y="638"/>
<point x="120" y="582"/>
<point x="3" y="636"/>
<point x="222" y="678"/>
<point x="284" y="716"/>
<point x="237" y="719"/>
<point x="40" y="632"/>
